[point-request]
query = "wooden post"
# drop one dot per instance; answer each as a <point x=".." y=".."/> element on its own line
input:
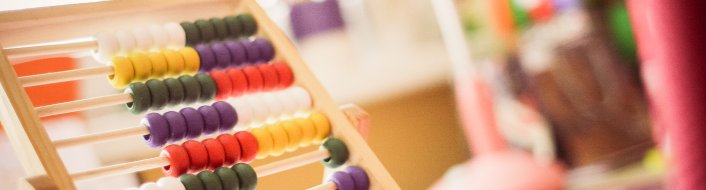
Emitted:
<point x="26" y="133"/>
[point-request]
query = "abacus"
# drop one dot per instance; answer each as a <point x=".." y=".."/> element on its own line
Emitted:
<point x="218" y="60"/>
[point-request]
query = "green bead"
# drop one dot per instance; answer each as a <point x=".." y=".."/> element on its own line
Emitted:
<point x="235" y="28"/>
<point x="220" y="26"/>
<point x="191" y="182"/>
<point x="192" y="88"/>
<point x="141" y="97"/>
<point x="206" y="29"/>
<point x="159" y="92"/>
<point x="246" y="176"/>
<point x="193" y="36"/>
<point x="176" y="91"/>
<point x="208" y="86"/>
<point x="338" y="151"/>
<point x="249" y="25"/>
<point x="210" y="180"/>
<point x="228" y="178"/>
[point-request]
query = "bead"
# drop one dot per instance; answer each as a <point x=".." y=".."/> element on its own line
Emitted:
<point x="159" y="92"/>
<point x="220" y="27"/>
<point x="235" y="29"/>
<point x="302" y="97"/>
<point x="308" y="131"/>
<point x="170" y="183"/>
<point x="177" y="125"/>
<point x="192" y="89"/>
<point x="142" y="65"/>
<point x="216" y="153"/>
<point x="269" y="77"/>
<point x="126" y="41"/>
<point x="210" y="180"/>
<point x="107" y="47"/>
<point x="231" y="146"/>
<point x="222" y="54"/>
<point x="238" y="81"/>
<point x="192" y="62"/>
<point x="249" y="25"/>
<point x="253" y="51"/>
<point x="246" y="176"/>
<point x="223" y="84"/>
<point x="273" y="104"/>
<point x="279" y="139"/>
<point x="191" y="182"/>
<point x="255" y="80"/>
<point x="177" y="35"/>
<point x="175" y="62"/>
<point x="237" y="51"/>
<point x="323" y="127"/>
<point x="150" y="186"/>
<point x="248" y="146"/>
<point x="343" y="181"/>
<point x="160" y="37"/>
<point x="211" y="119"/>
<point x="264" y="142"/>
<point x="194" y="122"/>
<point x="206" y="29"/>
<point x="159" y="64"/>
<point x="208" y="87"/>
<point x="229" y="179"/>
<point x="191" y="32"/>
<point x="141" y="98"/>
<point x="360" y="178"/>
<point x="178" y="160"/>
<point x="227" y="114"/>
<point x="176" y="91"/>
<point x="158" y="127"/>
<point x="284" y="74"/>
<point x="288" y="103"/>
<point x="294" y="134"/>
<point x="123" y="73"/>
<point x="338" y="151"/>
<point x="143" y="38"/>
<point x="244" y="111"/>
<point x="260" y="111"/>
<point x="208" y="58"/>
<point x="198" y="155"/>
<point x="267" y="52"/>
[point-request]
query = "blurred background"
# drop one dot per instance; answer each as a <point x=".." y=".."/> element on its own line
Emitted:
<point x="463" y="94"/>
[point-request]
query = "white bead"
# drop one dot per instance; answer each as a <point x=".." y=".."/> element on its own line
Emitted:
<point x="143" y="38"/>
<point x="260" y="111"/>
<point x="289" y="104"/>
<point x="160" y="37"/>
<point x="273" y="104"/>
<point x="170" y="183"/>
<point x="107" y="47"/>
<point x="150" y="186"/>
<point x="244" y="111"/>
<point x="126" y="41"/>
<point x="177" y="36"/>
<point x="302" y="97"/>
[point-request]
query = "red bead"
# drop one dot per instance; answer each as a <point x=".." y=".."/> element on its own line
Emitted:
<point x="239" y="82"/>
<point x="248" y="146"/>
<point x="223" y="84"/>
<point x="216" y="153"/>
<point x="231" y="147"/>
<point x="269" y="76"/>
<point x="284" y="73"/>
<point x="198" y="155"/>
<point x="178" y="160"/>
<point x="255" y="80"/>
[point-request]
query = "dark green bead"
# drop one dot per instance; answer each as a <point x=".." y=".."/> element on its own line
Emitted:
<point x="228" y="178"/>
<point x="193" y="36"/>
<point x="141" y="97"/>
<point x="176" y="91"/>
<point x="210" y="180"/>
<point x="249" y="24"/>
<point x="220" y="26"/>
<point x="235" y="28"/>
<point x="206" y="29"/>
<point x="246" y="176"/>
<point x="208" y="86"/>
<point x="191" y="182"/>
<point x="159" y="92"/>
<point x="338" y="151"/>
<point x="192" y="88"/>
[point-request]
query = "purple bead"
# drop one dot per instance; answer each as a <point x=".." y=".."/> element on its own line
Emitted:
<point x="237" y="52"/>
<point x="267" y="52"/>
<point x="194" y="122"/>
<point x="360" y="178"/>
<point x="227" y="114"/>
<point x="177" y="125"/>
<point x="208" y="59"/>
<point x="222" y="54"/>
<point x="343" y="181"/>
<point x="252" y="50"/>
<point x="211" y="119"/>
<point x="315" y="17"/>
<point x="159" y="129"/>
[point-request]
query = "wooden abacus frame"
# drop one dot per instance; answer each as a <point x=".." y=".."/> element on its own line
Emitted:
<point x="38" y="154"/>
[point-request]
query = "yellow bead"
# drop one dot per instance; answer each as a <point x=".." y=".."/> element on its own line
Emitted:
<point x="141" y="64"/>
<point x="175" y="62"/>
<point x="294" y="134"/>
<point x="192" y="61"/>
<point x="323" y="127"/>
<point x="264" y="142"/>
<point x="279" y="138"/>
<point x="159" y="64"/>
<point x="123" y="73"/>
<point x="308" y="131"/>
